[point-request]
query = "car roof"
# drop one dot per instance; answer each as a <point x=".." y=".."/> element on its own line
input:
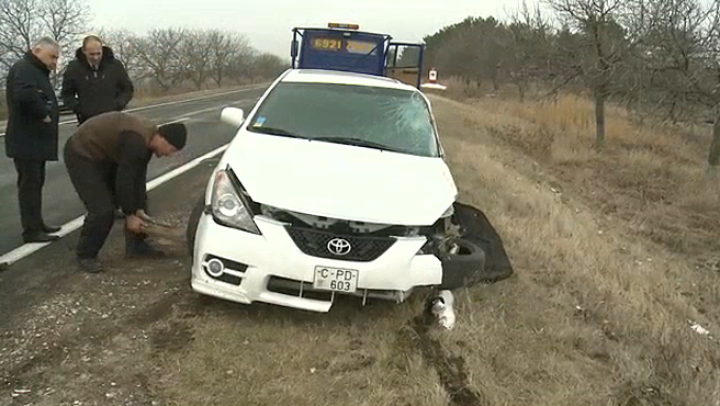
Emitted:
<point x="343" y="78"/>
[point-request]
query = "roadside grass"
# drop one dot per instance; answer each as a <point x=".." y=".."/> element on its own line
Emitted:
<point x="598" y="314"/>
<point x="265" y="355"/>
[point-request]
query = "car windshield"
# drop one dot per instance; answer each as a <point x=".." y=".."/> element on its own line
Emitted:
<point x="389" y="119"/>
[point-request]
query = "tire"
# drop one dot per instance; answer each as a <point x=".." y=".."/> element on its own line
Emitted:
<point x="192" y="226"/>
<point x="476" y="228"/>
<point x="462" y="269"/>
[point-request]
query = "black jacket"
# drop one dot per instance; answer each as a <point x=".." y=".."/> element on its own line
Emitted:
<point x="89" y="93"/>
<point x="31" y="98"/>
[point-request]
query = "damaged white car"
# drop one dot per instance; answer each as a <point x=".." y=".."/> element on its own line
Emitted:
<point x="335" y="184"/>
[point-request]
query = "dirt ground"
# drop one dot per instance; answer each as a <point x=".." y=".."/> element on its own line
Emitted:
<point x="597" y="313"/>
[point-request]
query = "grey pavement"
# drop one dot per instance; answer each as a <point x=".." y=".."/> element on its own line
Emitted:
<point x="60" y="202"/>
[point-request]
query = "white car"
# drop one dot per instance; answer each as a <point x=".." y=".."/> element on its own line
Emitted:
<point x="335" y="183"/>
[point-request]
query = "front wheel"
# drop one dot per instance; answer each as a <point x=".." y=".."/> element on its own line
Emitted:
<point x="192" y="226"/>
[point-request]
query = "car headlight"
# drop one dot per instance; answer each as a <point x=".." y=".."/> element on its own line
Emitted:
<point x="228" y="207"/>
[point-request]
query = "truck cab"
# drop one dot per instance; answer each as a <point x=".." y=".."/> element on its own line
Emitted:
<point x="343" y="47"/>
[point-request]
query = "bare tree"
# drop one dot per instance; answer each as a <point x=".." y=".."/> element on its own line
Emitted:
<point x="267" y="66"/>
<point x="682" y="57"/>
<point x="594" y="19"/>
<point x="195" y="55"/>
<point x="122" y="42"/>
<point x="19" y="25"/>
<point x="528" y="42"/>
<point x="225" y="48"/>
<point x="160" y="53"/>
<point x="243" y="65"/>
<point x="23" y="21"/>
<point x="63" y="20"/>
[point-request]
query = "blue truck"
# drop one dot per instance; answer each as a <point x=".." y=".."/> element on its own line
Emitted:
<point x="344" y="47"/>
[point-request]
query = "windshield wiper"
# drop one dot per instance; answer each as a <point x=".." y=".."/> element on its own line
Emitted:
<point x="274" y="131"/>
<point x="358" y="142"/>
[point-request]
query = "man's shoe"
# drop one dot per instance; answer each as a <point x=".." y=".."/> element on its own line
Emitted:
<point x="40" y="237"/>
<point x="90" y="265"/>
<point x="143" y="249"/>
<point x="51" y="229"/>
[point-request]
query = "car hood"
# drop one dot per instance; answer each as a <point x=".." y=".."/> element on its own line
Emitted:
<point x="340" y="181"/>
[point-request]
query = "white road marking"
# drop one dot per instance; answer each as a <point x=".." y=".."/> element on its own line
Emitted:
<point x="27" y="249"/>
<point x="179" y="120"/>
<point x="150" y="106"/>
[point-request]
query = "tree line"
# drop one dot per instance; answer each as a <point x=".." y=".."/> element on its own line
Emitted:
<point x="660" y="58"/>
<point x="164" y="58"/>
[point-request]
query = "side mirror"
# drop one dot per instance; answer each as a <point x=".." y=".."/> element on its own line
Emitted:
<point x="293" y="49"/>
<point x="233" y="116"/>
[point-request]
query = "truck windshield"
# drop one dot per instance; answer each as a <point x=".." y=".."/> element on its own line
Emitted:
<point x="391" y="119"/>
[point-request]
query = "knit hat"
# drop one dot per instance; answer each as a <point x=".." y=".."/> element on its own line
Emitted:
<point x="174" y="133"/>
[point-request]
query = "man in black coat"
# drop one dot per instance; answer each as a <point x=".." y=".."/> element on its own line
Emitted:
<point x="31" y="136"/>
<point x="95" y="82"/>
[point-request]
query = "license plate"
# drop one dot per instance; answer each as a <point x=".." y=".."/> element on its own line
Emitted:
<point x="334" y="279"/>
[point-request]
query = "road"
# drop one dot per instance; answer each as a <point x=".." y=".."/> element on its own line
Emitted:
<point x="60" y="202"/>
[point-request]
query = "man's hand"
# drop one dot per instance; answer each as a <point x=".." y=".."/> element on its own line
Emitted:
<point x="143" y="216"/>
<point x="47" y="119"/>
<point x="135" y="224"/>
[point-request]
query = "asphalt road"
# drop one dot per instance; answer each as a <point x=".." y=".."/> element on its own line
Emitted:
<point x="60" y="202"/>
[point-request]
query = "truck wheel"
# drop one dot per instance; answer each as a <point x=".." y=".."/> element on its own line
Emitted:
<point x="462" y="267"/>
<point x="192" y="226"/>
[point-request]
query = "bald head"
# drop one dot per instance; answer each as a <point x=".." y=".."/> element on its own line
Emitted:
<point x="93" y="50"/>
<point x="47" y="51"/>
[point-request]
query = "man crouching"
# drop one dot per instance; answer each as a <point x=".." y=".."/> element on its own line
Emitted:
<point x="107" y="161"/>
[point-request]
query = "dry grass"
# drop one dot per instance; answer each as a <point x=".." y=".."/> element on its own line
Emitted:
<point x="652" y="177"/>
<point x="596" y="316"/>
<point x="271" y="356"/>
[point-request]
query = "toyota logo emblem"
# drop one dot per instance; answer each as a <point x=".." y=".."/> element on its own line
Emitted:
<point x="339" y="246"/>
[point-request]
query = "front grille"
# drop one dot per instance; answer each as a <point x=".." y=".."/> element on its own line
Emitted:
<point x="315" y="243"/>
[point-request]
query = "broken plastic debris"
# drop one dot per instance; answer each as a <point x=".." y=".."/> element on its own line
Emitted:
<point x="442" y="308"/>
<point x="699" y="329"/>
<point x="312" y="370"/>
<point x="21" y="391"/>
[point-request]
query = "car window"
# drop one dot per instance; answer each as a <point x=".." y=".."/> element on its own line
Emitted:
<point x="398" y="119"/>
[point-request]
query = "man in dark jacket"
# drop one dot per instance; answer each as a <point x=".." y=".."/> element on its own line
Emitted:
<point x="31" y="136"/>
<point x="107" y="160"/>
<point x="95" y="82"/>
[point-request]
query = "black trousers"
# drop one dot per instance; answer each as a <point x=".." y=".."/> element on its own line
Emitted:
<point x="94" y="184"/>
<point x="30" y="181"/>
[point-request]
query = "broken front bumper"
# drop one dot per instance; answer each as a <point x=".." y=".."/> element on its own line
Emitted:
<point x="272" y="268"/>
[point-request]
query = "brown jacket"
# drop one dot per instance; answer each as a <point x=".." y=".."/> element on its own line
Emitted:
<point x="100" y="138"/>
<point x="118" y="143"/>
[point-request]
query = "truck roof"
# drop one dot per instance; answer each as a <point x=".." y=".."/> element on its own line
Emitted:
<point x="343" y="78"/>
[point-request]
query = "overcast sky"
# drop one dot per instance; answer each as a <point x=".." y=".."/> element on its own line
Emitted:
<point x="267" y="23"/>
